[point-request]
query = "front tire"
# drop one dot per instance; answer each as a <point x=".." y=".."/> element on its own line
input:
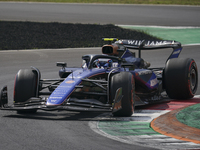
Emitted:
<point x="125" y="81"/>
<point x="181" y="78"/>
<point x="26" y="83"/>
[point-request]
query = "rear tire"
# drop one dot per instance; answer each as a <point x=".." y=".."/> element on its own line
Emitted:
<point x="126" y="81"/>
<point x="181" y="78"/>
<point x="26" y="82"/>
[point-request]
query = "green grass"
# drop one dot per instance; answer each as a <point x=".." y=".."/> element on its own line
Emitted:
<point x="173" y="2"/>
<point x="190" y="116"/>
<point x="126" y="128"/>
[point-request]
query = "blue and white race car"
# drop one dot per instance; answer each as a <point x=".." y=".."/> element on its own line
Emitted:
<point x="115" y="81"/>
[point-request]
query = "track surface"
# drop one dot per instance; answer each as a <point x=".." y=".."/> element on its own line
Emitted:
<point x="103" y="14"/>
<point x="58" y="130"/>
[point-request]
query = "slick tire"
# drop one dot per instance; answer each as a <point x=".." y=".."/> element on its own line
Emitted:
<point x="126" y="81"/>
<point x="25" y="87"/>
<point x="181" y="78"/>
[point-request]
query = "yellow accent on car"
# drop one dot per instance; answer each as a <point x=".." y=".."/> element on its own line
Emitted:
<point x="110" y="39"/>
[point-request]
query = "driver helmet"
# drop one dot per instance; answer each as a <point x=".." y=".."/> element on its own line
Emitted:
<point x="105" y="63"/>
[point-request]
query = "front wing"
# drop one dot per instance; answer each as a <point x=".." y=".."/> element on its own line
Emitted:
<point x="87" y="105"/>
<point x="40" y="103"/>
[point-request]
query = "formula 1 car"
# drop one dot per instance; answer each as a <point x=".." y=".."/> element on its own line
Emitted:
<point x="115" y="81"/>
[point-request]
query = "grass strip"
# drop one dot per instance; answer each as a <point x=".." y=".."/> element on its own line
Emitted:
<point x="126" y="128"/>
<point x="190" y="116"/>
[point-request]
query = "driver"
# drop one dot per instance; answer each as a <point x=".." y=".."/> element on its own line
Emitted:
<point x="102" y="63"/>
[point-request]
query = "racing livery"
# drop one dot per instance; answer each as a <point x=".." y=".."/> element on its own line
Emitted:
<point x="115" y="81"/>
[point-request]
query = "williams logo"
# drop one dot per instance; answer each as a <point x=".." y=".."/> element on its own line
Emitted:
<point x="138" y="42"/>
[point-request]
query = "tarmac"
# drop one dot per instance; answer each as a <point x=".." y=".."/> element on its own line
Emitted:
<point x="181" y="123"/>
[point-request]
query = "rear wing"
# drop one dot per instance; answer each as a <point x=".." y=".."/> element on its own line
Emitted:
<point x="148" y="44"/>
<point x="152" y="44"/>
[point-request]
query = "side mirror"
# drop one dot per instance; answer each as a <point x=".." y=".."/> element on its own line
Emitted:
<point x="61" y="64"/>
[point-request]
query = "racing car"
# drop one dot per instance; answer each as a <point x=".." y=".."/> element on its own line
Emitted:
<point x="115" y="81"/>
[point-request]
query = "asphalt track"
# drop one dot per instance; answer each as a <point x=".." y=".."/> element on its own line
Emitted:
<point x="69" y="130"/>
<point x="102" y="13"/>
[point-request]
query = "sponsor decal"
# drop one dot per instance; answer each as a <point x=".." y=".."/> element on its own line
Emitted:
<point x="145" y="72"/>
<point x="115" y="65"/>
<point x="149" y="43"/>
<point x="176" y="52"/>
<point x="56" y="97"/>
<point x="153" y="82"/>
<point x="53" y="101"/>
<point x="70" y="81"/>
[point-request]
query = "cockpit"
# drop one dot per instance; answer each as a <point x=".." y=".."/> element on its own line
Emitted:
<point x="99" y="61"/>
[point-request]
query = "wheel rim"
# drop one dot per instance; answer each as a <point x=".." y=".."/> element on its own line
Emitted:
<point x="193" y="80"/>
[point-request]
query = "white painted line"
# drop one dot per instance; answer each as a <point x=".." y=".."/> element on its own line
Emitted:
<point x="61" y="49"/>
<point x="196" y="44"/>
<point x="147" y="115"/>
<point x="197" y="96"/>
<point x="163" y="27"/>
